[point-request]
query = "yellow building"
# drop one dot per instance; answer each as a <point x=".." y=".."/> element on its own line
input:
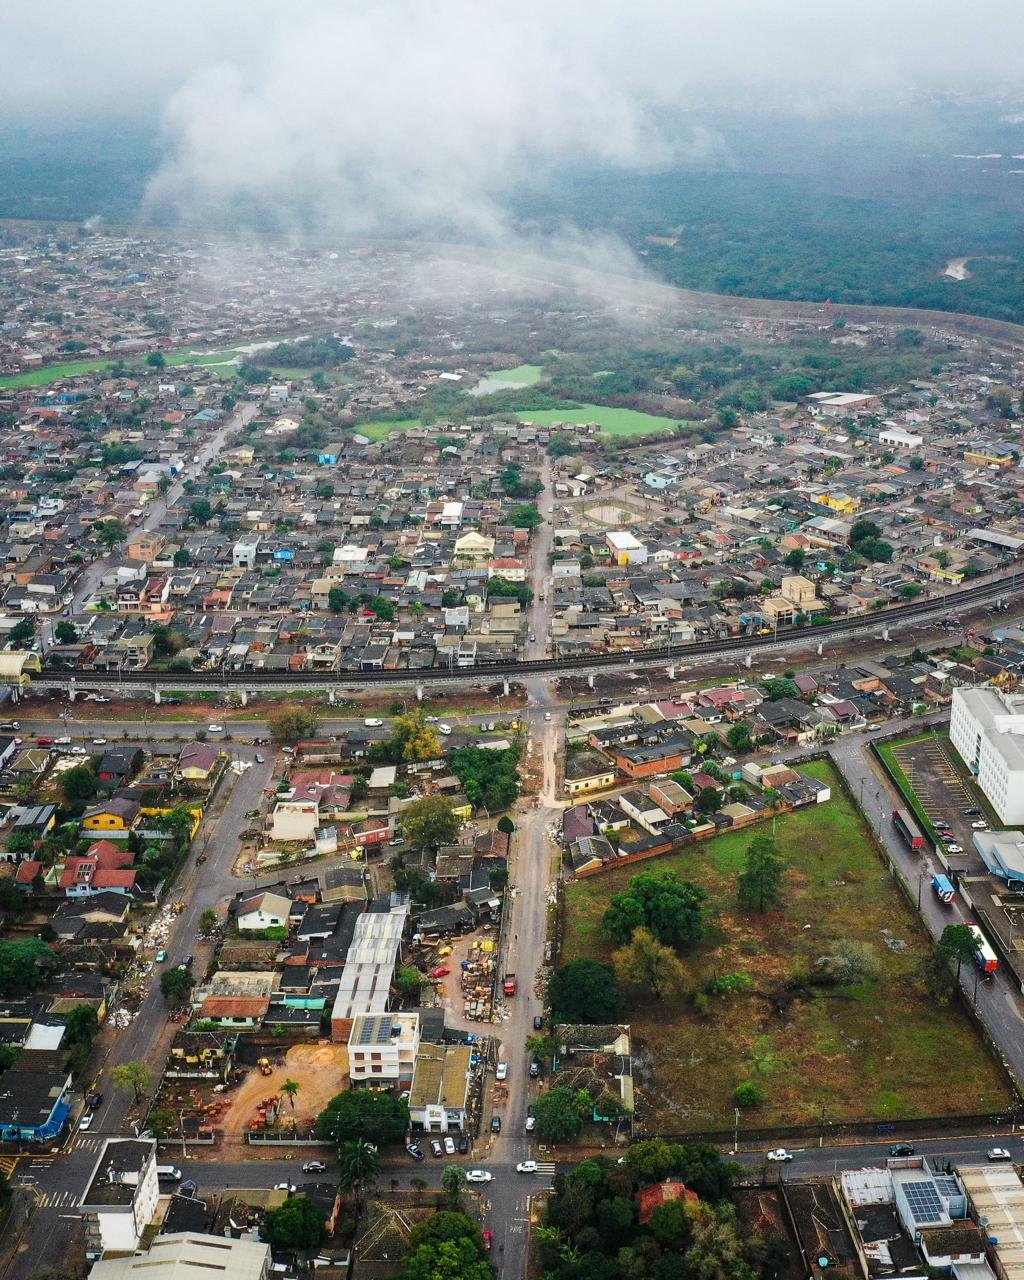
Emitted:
<point x="845" y="503"/>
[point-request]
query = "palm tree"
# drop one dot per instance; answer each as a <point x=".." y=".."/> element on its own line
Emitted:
<point x="290" y="1088"/>
<point x="358" y="1167"/>
<point x="419" y="1185"/>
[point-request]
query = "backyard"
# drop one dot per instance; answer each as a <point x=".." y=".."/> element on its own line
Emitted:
<point x="871" y="1050"/>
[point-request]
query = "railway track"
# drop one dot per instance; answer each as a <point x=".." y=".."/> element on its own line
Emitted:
<point x="1005" y="587"/>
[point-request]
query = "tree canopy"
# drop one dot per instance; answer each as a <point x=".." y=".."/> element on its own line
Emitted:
<point x="672" y="909"/>
<point x="298" y="1225"/>
<point x="585" y="991"/>
<point x="291" y="723"/>
<point x="363" y="1115"/>
<point x="557" y="1115"/>
<point x="430" y="823"/>
<point x="648" y="965"/>
<point x="23" y="965"/>
<point x="489" y="778"/>
<point x="760" y="882"/>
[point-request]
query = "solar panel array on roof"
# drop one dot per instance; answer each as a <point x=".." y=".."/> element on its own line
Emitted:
<point x="376" y="1029"/>
<point x="923" y="1201"/>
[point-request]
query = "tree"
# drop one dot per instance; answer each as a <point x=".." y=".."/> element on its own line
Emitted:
<point x="132" y="1075"/>
<point x="358" y="1167"/>
<point x="109" y="533"/>
<point x="917" y="464"/>
<point x="760" y="883"/>
<point x="78" y="785"/>
<point x="156" y="360"/>
<point x="181" y="557"/>
<point x="82" y="1023"/>
<point x="672" y="909"/>
<point x="161" y="1121"/>
<point x="65" y="633"/>
<point x="795" y="559"/>
<point x="738" y="737"/>
<point x="779" y="687"/>
<point x="201" y="511"/>
<point x="430" y="823"/>
<point x="956" y="943"/>
<point x="21" y="634"/>
<point x="363" y="1115"/>
<point x="584" y="991"/>
<point x="208" y="920"/>
<point x="525" y="516"/>
<point x="337" y="599"/>
<point x="295" y="1226"/>
<point x="290" y="1088"/>
<point x="649" y="965"/>
<point x="489" y="778"/>
<point x="414" y="739"/>
<point x="709" y="800"/>
<point x="383" y="608"/>
<point x="23" y="965"/>
<point x="453" y="1182"/>
<point x="408" y="981"/>
<point x="746" y="1095"/>
<point x="557" y="1115"/>
<point x="290" y="723"/>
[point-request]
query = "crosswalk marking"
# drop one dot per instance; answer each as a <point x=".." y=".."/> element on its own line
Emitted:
<point x="545" y="1169"/>
<point x="8" y="1164"/>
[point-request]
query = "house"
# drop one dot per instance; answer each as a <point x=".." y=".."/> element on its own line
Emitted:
<point x="33" y="1106"/>
<point x="119" y="763"/>
<point x="295" y="820"/>
<point x="439" y="1096"/>
<point x="121" y="1199"/>
<point x="197" y="761"/>
<point x="625" y="549"/>
<point x="263" y="911"/>
<point x="587" y="771"/>
<point x="105" y="867"/>
<point x="115" y="814"/>
<point x="383" y="1047"/>
<point x="235" y="1012"/>
<point x="177" y="1255"/>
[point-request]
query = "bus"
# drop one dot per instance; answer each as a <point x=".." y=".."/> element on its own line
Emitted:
<point x="984" y="956"/>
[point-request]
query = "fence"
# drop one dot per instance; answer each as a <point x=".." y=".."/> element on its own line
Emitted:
<point x="829" y="1134"/>
<point x="277" y="1138"/>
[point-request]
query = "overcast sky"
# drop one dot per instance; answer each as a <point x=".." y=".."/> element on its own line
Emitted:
<point x="430" y="109"/>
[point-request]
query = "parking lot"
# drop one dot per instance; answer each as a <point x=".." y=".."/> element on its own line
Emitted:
<point x="944" y="790"/>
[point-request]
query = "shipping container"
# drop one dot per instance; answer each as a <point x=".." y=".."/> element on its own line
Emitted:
<point x="907" y="828"/>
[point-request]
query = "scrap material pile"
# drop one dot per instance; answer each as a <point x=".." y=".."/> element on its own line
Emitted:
<point x="477" y="979"/>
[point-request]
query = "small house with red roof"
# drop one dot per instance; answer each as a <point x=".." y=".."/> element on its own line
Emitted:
<point x="104" y="867"/>
<point x="651" y="1198"/>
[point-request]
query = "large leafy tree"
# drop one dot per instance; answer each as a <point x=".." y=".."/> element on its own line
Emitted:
<point x="672" y="909"/>
<point x="430" y="823"/>
<point x="23" y="965"/>
<point x="175" y="985"/>
<point x="290" y="723"/>
<point x="363" y="1115"/>
<point x="78" y="785"/>
<point x="489" y="778"/>
<point x="297" y="1225"/>
<point x="414" y="739"/>
<point x="557" y="1114"/>
<point x="760" y="882"/>
<point x="585" y="991"/>
<point x="646" y="964"/>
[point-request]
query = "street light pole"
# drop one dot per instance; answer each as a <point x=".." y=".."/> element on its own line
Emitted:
<point x="736" y="1130"/>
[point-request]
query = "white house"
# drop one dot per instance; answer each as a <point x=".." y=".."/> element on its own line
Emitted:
<point x="382" y="1046"/>
<point x="243" y="555"/>
<point x="986" y="727"/>
<point x="263" y="911"/>
<point x="121" y="1198"/>
<point x="626" y="549"/>
<point x="294" y="820"/>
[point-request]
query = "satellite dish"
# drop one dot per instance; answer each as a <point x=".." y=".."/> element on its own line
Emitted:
<point x="824" y="1261"/>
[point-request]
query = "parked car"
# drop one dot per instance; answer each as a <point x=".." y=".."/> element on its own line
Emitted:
<point x="444" y="729"/>
<point x="45" y="742"/>
<point x="901" y="1149"/>
<point x="488" y="1240"/>
<point x="501" y="1071"/>
<point x="214" y="728"/>
<point x="953" y="847"/>
<point x="431" y="719"/>
<point x="285" y="1186"/>
<point x="530" y="1122"/>
<point x="314" y="1166"/>
<point x="64" y="741"/>
<point x="449" y="1146"/>
<point x="462" y="1144"/>
<point x="260" y="759"/>
<point x="371" y="723"/>
<point x="99" y="742"/>
<point x="436" y="1150"/>
<point x="971" y="812"/>
<point x="86" y="1121"/>
<point x="547" y="715"/>
<point x="779" y="1155"/>
<point x="998" y="1153"/>
<point x="161" y="956"/>
<point x="478" y="1175"/>
<point x="980" y="825"/>
<point x="495" y="1124"/>
<point x="534" y="1069"/>
<point x="538" y="1022"/>
<point x="414" y="1150"/>
<point x="526" y="1166"/>
<point x="94" y="1101"/>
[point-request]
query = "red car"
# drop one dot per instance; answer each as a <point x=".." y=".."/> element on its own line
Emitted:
<point x="45" y="742"/>
<point x="488" y="1238"/>
<point x="440" y="972"/>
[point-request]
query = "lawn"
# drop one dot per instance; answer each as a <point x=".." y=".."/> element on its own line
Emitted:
<point x="523" y="375"/>
<point x="51" y="373"/>
<point x="381" y="430"/>
<point x="874" y="1051"/>
<point x="614" y="422"/>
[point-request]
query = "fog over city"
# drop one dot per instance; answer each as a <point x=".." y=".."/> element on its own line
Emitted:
<point x="399" y="115"/>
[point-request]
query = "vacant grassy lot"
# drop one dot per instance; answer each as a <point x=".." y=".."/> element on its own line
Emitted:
<point x="381" y="430"/>
<point x="525" y="375"/>
<point x="614" y="422"/>
<point x="51" y="373"/>
<point x="877" y="1050"/>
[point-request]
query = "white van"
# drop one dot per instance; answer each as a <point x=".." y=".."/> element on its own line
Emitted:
<point x="168" y="1173"/>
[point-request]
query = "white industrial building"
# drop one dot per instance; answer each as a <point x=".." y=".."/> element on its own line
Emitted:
<point x="121" y="1198"/>
<point x="179" y="1255"/>
<point x="987" y="728"/>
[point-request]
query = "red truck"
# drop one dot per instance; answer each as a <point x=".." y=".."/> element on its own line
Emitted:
<point x="508" y="984"/>
<point x="907" y="828"/>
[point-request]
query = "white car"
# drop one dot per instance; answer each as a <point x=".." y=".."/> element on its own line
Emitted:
<point x="479" y="1175"/>
<point x="501" y="1071"/>
<point x="62" y="742"/>
<point x="998" y="1153"/>
<point x="285" y="1186"/>
<point x="79" y="751"/>
<point x="449" y="1146"/>
<point x="547" y="715"/>
<point x="779" y="1155"/>
<point x="445" y="729"/>
<point x="371" y="723"/>
<point x="99" y="742"/>
<point x="979" y="826"/>
<point x="214" y="728"/>
<point x="431" y="719"/>
<point x="526" y="1166"/>
<point x="86" y="1121"/>
<point x="530" y="1122"/>
<point x="954" y="848"/>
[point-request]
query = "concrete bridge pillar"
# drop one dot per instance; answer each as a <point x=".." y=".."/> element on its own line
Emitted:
<point x="819" y="648"/>
<point x="243" y="697"/>
<point x="156" y="696"/>
<point x="419" y="693"/>
<point x="332" y="696"/>
<point x="748" y="661"/>
<point x="670" y="671"/>
<point x="885" y="633"/>
<point x="505" y="687"/>
<point x="590" y="681"/>
<point x="72" y="691"/>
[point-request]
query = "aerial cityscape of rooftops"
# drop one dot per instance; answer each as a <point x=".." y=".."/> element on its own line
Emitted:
<point x="447" y="459"/>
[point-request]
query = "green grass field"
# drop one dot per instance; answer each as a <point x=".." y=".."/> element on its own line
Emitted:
<point x="613" y="422"/>
<point x="869" y="1052"/>
<point x="381" y="430"/>
<point x="523" y="375"/>
<point x="51" y="373"/>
